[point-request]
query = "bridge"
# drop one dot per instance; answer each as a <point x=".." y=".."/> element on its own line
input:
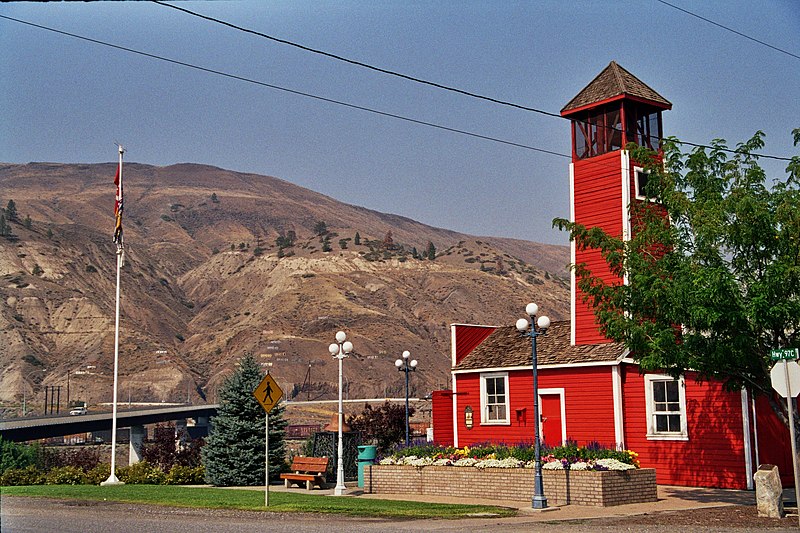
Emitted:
<point x="25" y="429"/>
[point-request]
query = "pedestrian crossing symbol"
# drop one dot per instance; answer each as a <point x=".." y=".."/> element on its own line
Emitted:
<point x="268" y="393"/>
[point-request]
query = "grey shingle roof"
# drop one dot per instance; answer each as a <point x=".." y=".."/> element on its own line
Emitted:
<point x="506" y="347"/>
<point x="614" y="81"/>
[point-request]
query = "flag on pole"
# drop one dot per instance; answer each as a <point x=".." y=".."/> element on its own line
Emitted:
<point x="118" y="208"/>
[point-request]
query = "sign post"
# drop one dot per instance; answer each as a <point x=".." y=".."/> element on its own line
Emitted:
<point x="268" y="394"/>
<point x="788" y="389"/>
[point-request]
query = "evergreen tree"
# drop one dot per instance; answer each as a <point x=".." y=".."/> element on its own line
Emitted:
<point x="357" y="239"/>
<point x="234" y="451"/>
<point x="320" y="228"/>
<point x="431" y="251"/>
<point x="11" y="210"/>
<point x="27" y="222"/>
<point x="4" y="228"/>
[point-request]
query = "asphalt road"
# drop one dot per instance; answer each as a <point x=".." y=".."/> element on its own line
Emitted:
<point x="23" y="515"/>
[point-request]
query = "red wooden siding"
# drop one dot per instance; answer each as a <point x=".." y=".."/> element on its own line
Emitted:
<point x="588" y="397"/>
<point x="442" y="417"/>
<point x="774" y="446"/>
<point x="468" y="337"/>
<point x="714" y="454"/>
<point x="597" y="202"/>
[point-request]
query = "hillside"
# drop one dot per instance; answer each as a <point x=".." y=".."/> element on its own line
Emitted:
<point x="220" y="263"/>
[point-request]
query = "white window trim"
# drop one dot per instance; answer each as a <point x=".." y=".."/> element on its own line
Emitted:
<point x="652" y="434"/>
<point x="639" y="193"/>
<point x="484" y="407"/>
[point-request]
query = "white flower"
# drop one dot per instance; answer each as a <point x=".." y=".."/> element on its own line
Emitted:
<point x="580" y="465"/>
<point x="388" y="461"/>
<point x="614" y="464"/>
<point x="442" y="462"/>
<point x="466" y="461"/>
<point x="552" y="465"/>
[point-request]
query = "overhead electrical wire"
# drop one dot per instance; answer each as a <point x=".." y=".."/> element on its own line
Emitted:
<point x="740" y="34"/>
<point x="357" y="63"/>
<point x="292" y="91"/>
<point x="446" y="87"/>
<point x="356" y="106"/>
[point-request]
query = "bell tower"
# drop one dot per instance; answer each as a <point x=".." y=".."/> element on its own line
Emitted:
<point x="615" y="109"/>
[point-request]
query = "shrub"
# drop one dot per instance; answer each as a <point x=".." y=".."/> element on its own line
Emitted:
<point x="185" y="475"/>
<point x="66" y="475"/>
<point x="142" y="473"/>
<point x="98" y="474"/>
<point x="17" y="456"/>
<point x="30" y="475"/>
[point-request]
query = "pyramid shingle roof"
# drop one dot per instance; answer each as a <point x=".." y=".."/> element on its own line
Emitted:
<point x="615" y="81"/>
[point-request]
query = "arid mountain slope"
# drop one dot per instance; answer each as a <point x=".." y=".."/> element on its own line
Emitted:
<point x="220" y="263"/>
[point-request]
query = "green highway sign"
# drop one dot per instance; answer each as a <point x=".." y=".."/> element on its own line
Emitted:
<point x="783" y="353"/>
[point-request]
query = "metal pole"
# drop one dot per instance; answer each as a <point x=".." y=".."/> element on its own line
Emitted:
<point x="112" y="478"/>
<point x="539" y="501"/>
<point x="266" y="461"/>
<point x="789" y="401"/>
<point x="406" y="370"/>
<point x="340" y="487"/>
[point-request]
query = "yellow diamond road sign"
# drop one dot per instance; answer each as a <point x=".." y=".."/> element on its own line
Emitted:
<point x="268" y="393"/>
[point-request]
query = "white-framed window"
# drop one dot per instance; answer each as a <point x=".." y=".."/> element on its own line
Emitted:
<point x="640" y="179"/>
<point x="665" y="399"/>
<point x="494" y="398"/>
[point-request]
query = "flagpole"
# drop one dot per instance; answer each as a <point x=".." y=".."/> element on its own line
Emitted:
<point x="112" y="478"/>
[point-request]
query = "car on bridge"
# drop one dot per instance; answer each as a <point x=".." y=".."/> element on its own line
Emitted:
<point x="78" y="411"/>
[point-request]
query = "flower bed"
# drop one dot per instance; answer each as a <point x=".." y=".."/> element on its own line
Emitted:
<point x="561" y="487"/>
<point x="571" y="474"/>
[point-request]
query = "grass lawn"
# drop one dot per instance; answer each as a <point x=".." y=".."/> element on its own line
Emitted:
<point x="253" y="500"/>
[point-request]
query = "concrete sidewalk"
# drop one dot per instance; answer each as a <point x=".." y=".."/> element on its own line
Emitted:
<point x="670" y="498"/>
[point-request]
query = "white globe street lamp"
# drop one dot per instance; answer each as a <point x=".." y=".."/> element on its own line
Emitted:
<point x="404" y="365"/>
<point x="539" y="501"/>
<point x="340" y="349"/>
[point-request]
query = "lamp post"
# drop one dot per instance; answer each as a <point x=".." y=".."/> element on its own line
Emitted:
<point x="340" y="349"/>
<point x="539" y="501"/>
<point x="404" y="365"/>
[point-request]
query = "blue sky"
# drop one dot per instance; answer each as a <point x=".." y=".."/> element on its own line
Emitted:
<point x="66" y="100"/>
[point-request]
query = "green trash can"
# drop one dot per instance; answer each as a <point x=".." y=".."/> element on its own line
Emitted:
<point x="366" y="456"/>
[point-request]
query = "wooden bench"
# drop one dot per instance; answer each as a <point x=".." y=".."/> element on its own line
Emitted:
<point x="309" y="469"/>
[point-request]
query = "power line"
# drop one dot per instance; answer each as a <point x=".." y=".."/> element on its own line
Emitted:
<point x="445" y="87"/>
<point x="359" y="107"/>
<point x="740" y="34"/>
<point x="291" y="91"/>
<point x="358" y="63"/>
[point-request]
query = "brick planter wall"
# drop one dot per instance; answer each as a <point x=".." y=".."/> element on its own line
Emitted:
<point x="561" y="487"/>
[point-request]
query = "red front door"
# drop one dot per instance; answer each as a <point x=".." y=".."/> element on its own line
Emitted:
<point x="552" y="423"/>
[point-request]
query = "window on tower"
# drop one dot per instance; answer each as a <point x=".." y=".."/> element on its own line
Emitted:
<point x="597" y="132"/>
<point x="644" y="128"/>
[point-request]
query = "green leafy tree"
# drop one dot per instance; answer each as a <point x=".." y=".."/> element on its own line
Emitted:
<point x="713" y="265"/>
<point x="234" y="451"/>
<point x="385" y="426"/>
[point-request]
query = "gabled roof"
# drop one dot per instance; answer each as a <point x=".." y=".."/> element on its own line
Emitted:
<point x="506" y="347"/>
<point x="614" y="82"/>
